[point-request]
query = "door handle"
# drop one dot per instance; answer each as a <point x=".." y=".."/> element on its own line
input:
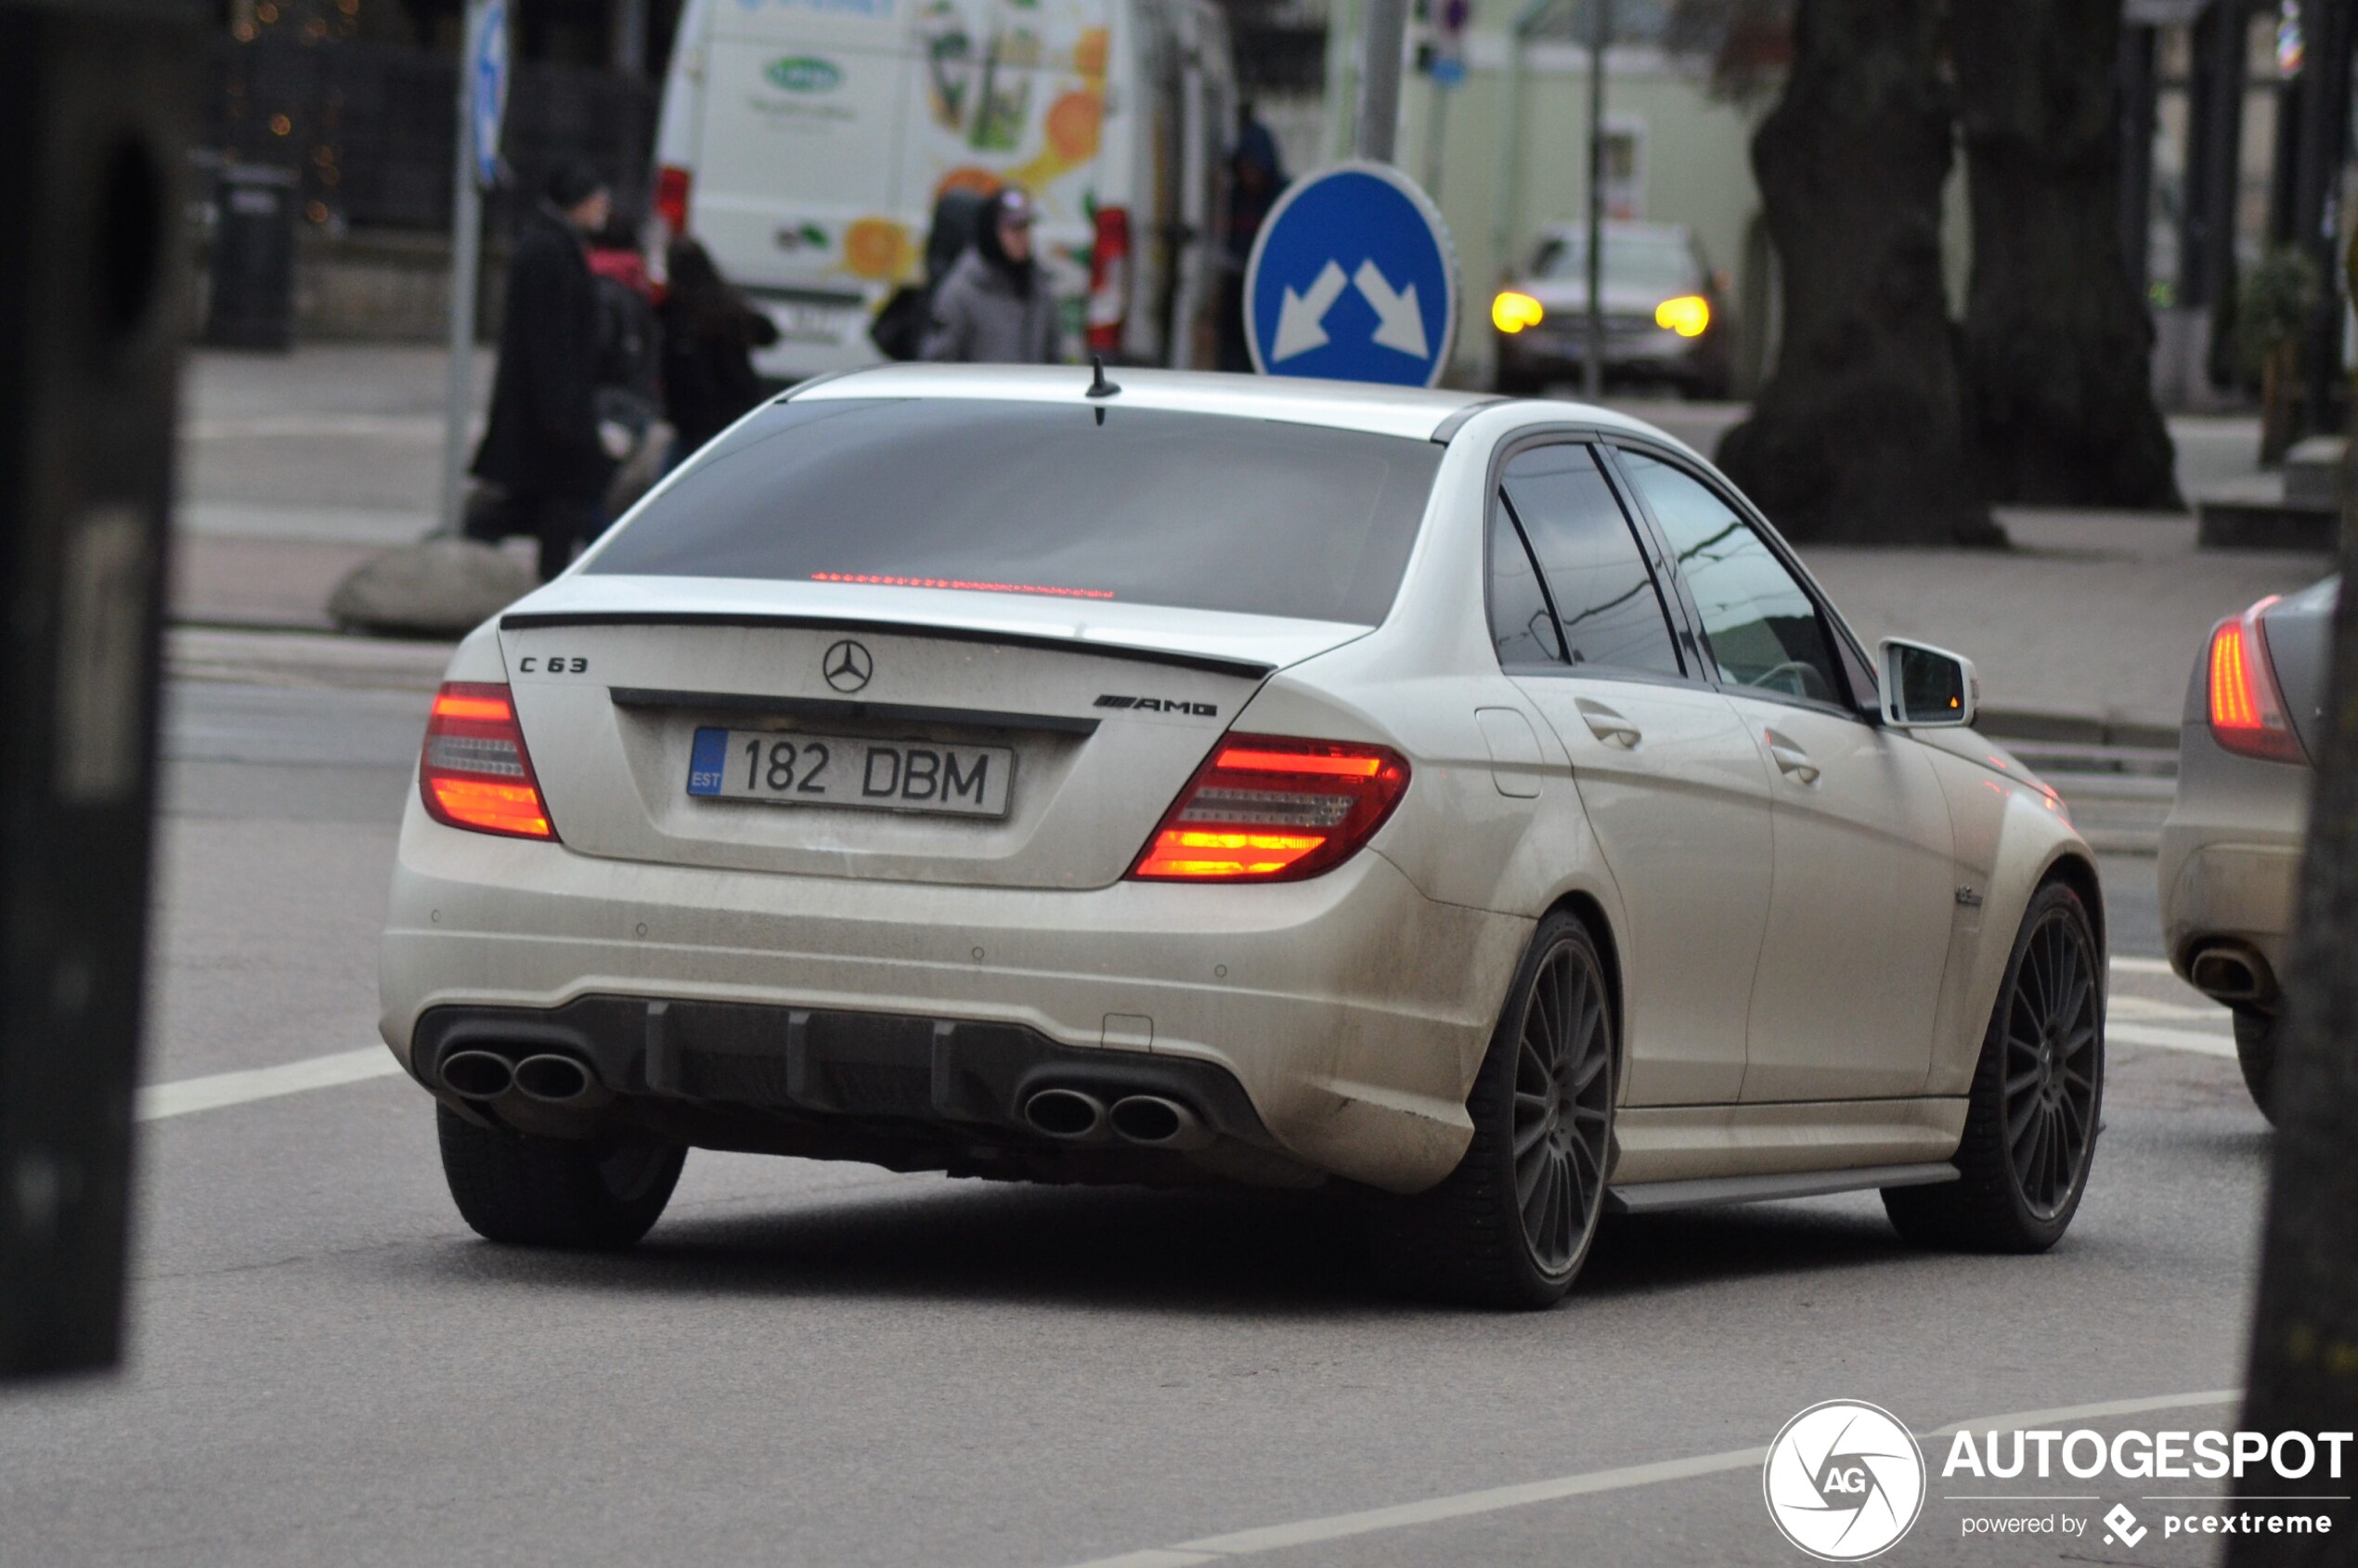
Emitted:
<point x="1607" y="725"/>
<point x="1790" y="759"/>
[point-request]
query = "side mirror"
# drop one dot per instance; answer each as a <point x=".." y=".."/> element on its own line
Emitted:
<point x="1925" y="687"/>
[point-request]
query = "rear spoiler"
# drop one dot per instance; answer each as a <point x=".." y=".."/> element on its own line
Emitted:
<point x="536" y="620"/>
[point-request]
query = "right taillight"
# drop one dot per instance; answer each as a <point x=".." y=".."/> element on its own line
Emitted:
<point x="1274" y="808"/>
<point x="474" y="772"/>
<point x="1108" y="280"/>
<point x="2247" y="709"/>
<point x="672" y="184"/>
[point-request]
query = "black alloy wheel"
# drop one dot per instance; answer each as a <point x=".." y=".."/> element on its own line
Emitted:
<point x="2036" y="1101"/>
<point x="1563" y="1106"/>
<point x="1512" y="1224"/>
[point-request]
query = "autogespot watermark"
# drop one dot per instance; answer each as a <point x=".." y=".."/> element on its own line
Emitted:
<point x="1846" y="1481"/>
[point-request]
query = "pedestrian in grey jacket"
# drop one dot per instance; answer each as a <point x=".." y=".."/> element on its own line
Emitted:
<point x="995" y="307"/>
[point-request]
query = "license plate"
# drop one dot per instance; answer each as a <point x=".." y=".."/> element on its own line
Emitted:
<point x="815" y="323"/>
<point x="793" y="768"/>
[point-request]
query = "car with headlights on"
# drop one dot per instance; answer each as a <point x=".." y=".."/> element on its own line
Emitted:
<point x="1468" y="803"/>
<point x="2231" y="849"/>
<point x="1666" y="316"/>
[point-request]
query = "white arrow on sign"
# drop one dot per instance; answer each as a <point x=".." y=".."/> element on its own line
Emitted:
<point x="1301" y="318"/>
<point x="1400" y="325"/>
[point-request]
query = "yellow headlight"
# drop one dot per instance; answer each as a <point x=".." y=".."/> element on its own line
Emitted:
<point x="1686" y="316"/>
<point x="1511" y="312"/>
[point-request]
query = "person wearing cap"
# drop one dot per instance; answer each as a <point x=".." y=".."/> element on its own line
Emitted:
<point x="542" y="445"/>
<point x="995" y="307"/>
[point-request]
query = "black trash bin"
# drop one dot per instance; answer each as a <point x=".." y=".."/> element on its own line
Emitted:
<point x="254" y="246"/>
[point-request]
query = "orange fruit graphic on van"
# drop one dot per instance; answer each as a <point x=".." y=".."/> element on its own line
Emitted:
<point x="1089" y="52"/>
<point x="876" y="249"/>
<point x="1072" y="126"/>
<point x="982" y="182"/>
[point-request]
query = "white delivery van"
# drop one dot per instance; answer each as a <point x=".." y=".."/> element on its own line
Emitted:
<point x="805" y="141"/>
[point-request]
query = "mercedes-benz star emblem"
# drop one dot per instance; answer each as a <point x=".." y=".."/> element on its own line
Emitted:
<point x="847" y="665"/>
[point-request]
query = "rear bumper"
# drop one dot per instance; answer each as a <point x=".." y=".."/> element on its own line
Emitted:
<point x="2230" y="853"/>
<point x="1351" y="1011"/>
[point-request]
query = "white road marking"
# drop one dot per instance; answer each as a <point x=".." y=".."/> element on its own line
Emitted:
<point x="2170" y="1039"/>
<point x="2147" y="1010"/>
<point x="2142" y="966"/>
<point x="1277" y="1537"/>
<point x="216" y="1090"/>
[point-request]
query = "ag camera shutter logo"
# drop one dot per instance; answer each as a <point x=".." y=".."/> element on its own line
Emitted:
<point x="1843" y="1481"/>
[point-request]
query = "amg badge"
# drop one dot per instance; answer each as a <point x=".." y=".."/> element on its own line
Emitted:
<point x="1159" y="705"/>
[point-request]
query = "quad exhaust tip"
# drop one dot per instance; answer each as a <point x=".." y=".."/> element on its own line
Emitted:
<point x="1148" y="1120"/>
<point x="478" y="1075"/>
<point x="554" y="1078"/>
<point x="1067" y="1114"/>
<point x="1159" y="1122"/>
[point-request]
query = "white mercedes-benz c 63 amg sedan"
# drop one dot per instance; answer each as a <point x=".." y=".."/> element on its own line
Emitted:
<point x="1215" y="779"/>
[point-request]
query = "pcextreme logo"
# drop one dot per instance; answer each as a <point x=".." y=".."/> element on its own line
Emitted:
<point x="1843" y="1481"/>
<point x="804" y="73"/>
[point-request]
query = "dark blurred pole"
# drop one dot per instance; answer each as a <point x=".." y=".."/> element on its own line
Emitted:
<point x="95" y="102"/>
<point x="2323" y="145"/>
<point x="1599" y="35"/>
<point x="2214" y="150"/>
<point x="2304" y="1372"/>
<point x="2138" y="93"/>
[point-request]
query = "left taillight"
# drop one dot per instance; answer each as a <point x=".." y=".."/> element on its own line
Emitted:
<point x="1109" y="280"/>
<point x="1274" y="808"/>
<point x="474" y="772"/>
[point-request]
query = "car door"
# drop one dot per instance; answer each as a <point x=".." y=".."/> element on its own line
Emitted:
<point x="1861" y="915"/>
<point x="1673" y="788"/>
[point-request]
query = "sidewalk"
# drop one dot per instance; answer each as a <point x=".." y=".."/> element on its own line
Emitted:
<point x="297" y="468"/>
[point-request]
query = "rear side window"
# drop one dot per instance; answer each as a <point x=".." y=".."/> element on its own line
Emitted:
<point x="1608" y="610"/>
<point x="1763" y="628"/>
<point x="1144" y="505"/>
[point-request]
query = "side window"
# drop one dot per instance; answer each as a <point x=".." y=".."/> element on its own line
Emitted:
<point x="1520" y="623"/>
<point x="1763" y="629"/>
<point x="1608" y="610"/>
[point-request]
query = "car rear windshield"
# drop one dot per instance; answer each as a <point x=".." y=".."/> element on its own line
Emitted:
<point x="1145" y="505"/>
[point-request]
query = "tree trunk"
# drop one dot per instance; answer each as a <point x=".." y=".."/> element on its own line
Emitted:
<point x="1858" y="435"/>
<point x="2058" y="345"/>
<point x="2304" y="1329"/>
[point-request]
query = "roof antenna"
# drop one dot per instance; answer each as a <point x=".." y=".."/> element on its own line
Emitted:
<point x="1098" y="386"/>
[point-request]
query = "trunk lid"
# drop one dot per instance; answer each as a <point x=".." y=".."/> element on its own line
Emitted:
<point x="1103" y="712"/>
<point x="2299" y="630"/>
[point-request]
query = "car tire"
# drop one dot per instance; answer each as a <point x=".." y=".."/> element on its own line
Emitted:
<point x="1511" y="1226"/>
<point x="2256" y="1053"/>
<point x="548" y="1192"/>
<point x="2036" y="1101"/>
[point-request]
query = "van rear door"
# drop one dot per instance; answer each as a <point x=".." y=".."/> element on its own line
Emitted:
<point x="798" y="190"/>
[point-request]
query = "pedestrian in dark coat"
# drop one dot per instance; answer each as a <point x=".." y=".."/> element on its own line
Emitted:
<point x="542" y="445"/>
<point x="1256" y="178"/>
<point x="709" y="334"/>
<point x="996" y="306"/>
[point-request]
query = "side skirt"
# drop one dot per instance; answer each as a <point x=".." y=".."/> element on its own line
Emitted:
<point x="1650" y="1197"/>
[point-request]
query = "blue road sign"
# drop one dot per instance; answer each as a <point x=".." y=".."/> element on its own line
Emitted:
<point x="1353" y="277"/>
<point x="487" y="89"/>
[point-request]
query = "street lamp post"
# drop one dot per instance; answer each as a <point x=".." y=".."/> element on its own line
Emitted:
<point x="1379" y="79"/>
<point x="1599" y="33"/>
<point x="482" y="73"/>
